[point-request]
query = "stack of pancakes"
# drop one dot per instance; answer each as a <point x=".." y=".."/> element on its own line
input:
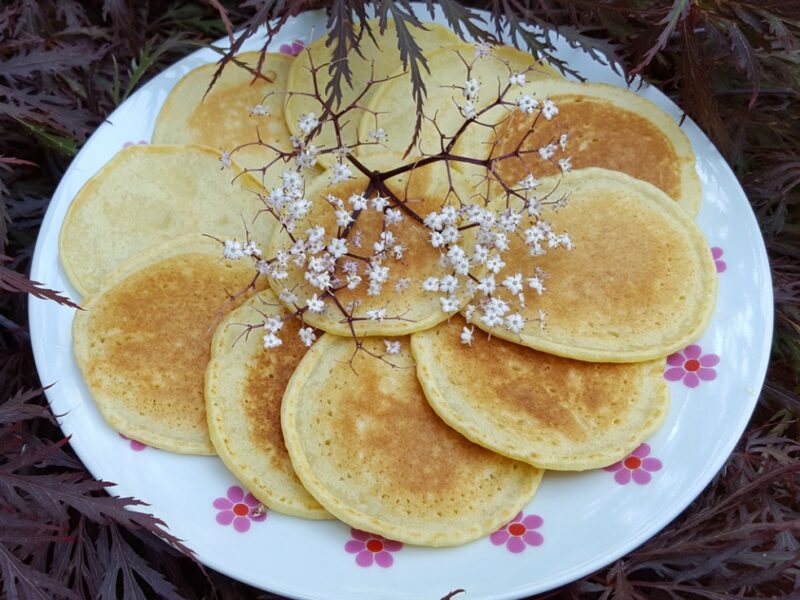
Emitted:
<point x="441" y="442"/>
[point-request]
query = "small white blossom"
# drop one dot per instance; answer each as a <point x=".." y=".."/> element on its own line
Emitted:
<point x="469" y="312"/>
<point x="449" y="304"/>
<point x="342" y="151"/>
<point x="307" y="123"/>
<point x="431" y="284"/>
<point x="448" y="284"/>
<point x="517" y="78"/>
<point x="315" y="305"/>
<point x="565" y="164"/>
<point x="528" y="104"/>
<point x="529" y="183"/>
<point x="379" y="203"/>
<point x="232" y="250"/>
<point x="401" y="284"/>
<point x="251" y="249"/>
<point x="377" y="135"/>
<point x="271" y="341"/>
<point x="307" y="158"/>
<point x="547" y="152"/>
<point x="343" y="218"/>
<point x="392" y="347"/>
<point x="480" y="254"/>
<point x="542" y="319"/>
<point x="259" y="110"/>
<point x="471" y="89"/>
<point x="225" y="159"/>
<point x="393" y="216"/>
<point x="273" y="324"/>
<point x="495" y="264"/>
<point x="549" y="109"/>
<point x="515" y="323"/>
<point x="337" y="247"/>
<point x="487" y="284"/>
<point x="468" y="110"/>
<point x="562" y="141"/>
<point x="482" y="49"/>
<point x="307" y="336"/>
<point x="513" y="283"/>
<point x="358" y="202"/>
<point x="376" y="314"/>
<point x="288" y="297"/>
<point x="535" y="283"/>
<point x="466" y="335"/>
<point x="341" y="172"/>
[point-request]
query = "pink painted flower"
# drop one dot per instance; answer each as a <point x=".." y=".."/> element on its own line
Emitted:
<point x="139" y="143"/>
<point x="519" y="533"/>
<point x="239" y="508"/>
<point x="293" y="49"/>
<point x="637" y="466"/>
<point x="370" y="547"/>
<point x="716" y="253"/>
<point x="691" y="366"/>
<point x="136" y="445"/>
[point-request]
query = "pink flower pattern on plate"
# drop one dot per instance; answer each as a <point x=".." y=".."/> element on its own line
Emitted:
<point x="239" y="508"/>
<point x="371" y="548"/>
<point x="293" y="49"/>
<point x="691" y="366"/>
<point x="716" y="253"/>
<point x="519" y="533"/>
<point x="136" y="445"/>
<point x="637" y="466"/>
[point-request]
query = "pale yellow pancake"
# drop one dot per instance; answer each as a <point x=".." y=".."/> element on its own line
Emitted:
<point x="551" y="412"/>
<point x="367" y="445"/>
<point x="244" y="388"/>
<point x="448" y="68"/>
<point x="407" y="308"/>
<point x="607" y="127"/>
<point x="146" y="195"/>
<point x="639" y="284"/>
<point x="144" y="340"/>
<point x="378" y="61"/>
<point x="239" y="109"/>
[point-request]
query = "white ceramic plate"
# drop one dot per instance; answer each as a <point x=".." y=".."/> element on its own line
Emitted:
<point x="576" y="524"/>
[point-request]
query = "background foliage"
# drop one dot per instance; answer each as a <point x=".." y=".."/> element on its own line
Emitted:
<point x="733" y="65"/>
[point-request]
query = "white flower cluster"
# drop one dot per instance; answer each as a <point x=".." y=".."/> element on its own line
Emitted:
<point x="471" y="237"/>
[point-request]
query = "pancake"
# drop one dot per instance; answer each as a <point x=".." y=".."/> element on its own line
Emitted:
<point x="146" y="195"/>
<point x="407" y="307"/>
<point x="144" y="340"/>
<point x="551" y="412"/>
<point x="394" y="98"/>
<point x="231" y="113"/>
<point x="607" y="127"/>
<point x="384" y="57"/>
<point x="367" y="445"/>
<point x="244" y="389"/>
<point x="639" y="284"/>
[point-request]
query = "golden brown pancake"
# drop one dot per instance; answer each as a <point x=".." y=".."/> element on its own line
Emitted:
<point x="230" y="115"/>
<point x="398" y="111"/>
<point x="608" y="127"/>
<point x="147" y="195"/>
<point x="376" y="61"/>
<point x="551" y="412"/>
<point x="639" y="284"/>
<point x="408" y="309"/>
<point x="244" y="387"/>
<point x="367" y="445"/>
<point x="143" y="341"/>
